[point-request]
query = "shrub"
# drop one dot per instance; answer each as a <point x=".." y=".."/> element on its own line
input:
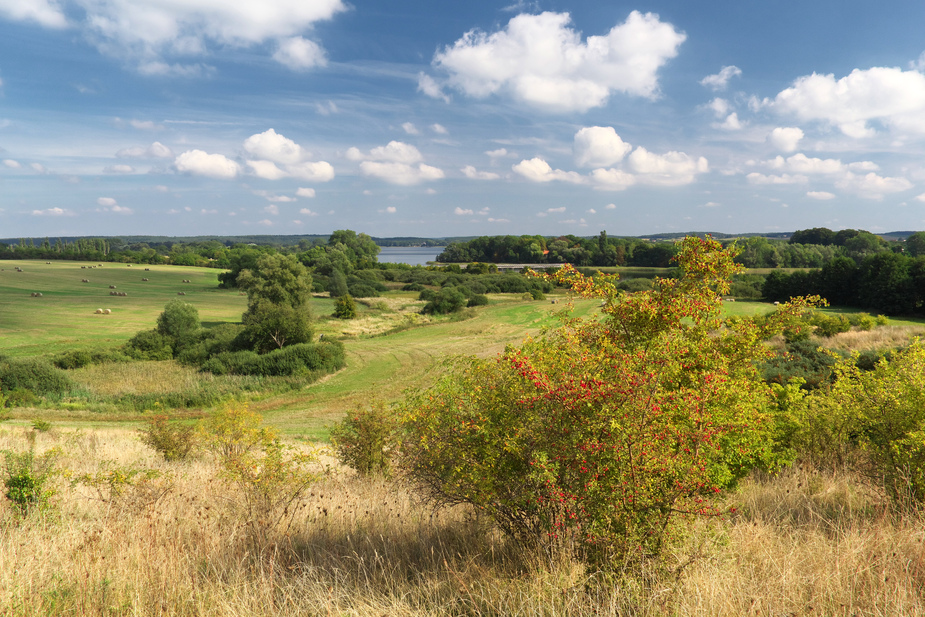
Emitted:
<point x="172" y="440"/>
<point x="80" y="358"/>
<point x="874" y="421"/>
<point x="33" y="374"/>
<point x="26" y="478"/>
<point x="605" y="436"/>
<point x="413" y="287"/>
<point x="268" y="476"/>
<point x="271" y="326"/>
<point x="21" y="397"/>
<point x="366" y="440"/>
<point x="345" y="307"/>
<point x="149" y="345"/>
<point x="363" y="290"/>
<point x="477" y="300"/>
<point x="179" y="323"/>
<point x="802" y="360"/>
<point x="447" y="300"/>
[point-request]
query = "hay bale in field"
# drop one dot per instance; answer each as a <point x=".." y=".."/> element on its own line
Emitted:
<point x="123" y="293"/>
<point x="107" y="311"/>
<point x="47" y="263"/>
<point x="144" y="279"/>
<point x="181" y="293"/>
<point x="99" y="311"/>
<point x="112" y="286"/>
<point x="84" y="280"/>
<point x="128" y="265"/>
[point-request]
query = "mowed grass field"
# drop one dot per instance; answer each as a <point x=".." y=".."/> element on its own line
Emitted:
<point x="64" y="317"/>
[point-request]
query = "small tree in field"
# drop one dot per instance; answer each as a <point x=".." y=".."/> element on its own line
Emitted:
<point x="606" y="433"/>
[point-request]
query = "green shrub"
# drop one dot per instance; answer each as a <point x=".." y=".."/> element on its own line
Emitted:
<point x="21" y="397"/>
<point x="42" y="426"/>
<point x="80" y="358"/>
<point x="172" y="440"/>
<point x="366" y="440"/>
<point x="36" y="375"/>
<point x="363" y="290"/>
<point x="413" y="287"/>
<point x="477" y="300"/>
<point x="447" y="300"/>
<point x="829" y="325"/>
<point x="179" y="324"/>
<point x="802" y="360"/>
<point x="605" y="435"/>
<point x="345" y="307"/>
<point x="26" y="478"/>
<point x="149" y="345"/>
<point x="537" y="294"/>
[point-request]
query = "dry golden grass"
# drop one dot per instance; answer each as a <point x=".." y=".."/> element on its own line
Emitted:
<point x="803" y="543"/>
<point x="881" y="338"/>
<point x="115" y="379"/>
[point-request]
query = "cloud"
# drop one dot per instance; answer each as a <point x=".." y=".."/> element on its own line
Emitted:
<point x="786" y="139"/>
<point x="891" y="96"/>
<point x="106" y="202"/>
<point x="391" y="210"/>
<point x="326" y="109"/>
<point x="731" y="123"/>
<point x="300" y="54"/>
<point x="272" y="146"/>
<point x="156" y="150"/>
<point x="610" y="207"/>
<point x="720" y="107"/>
<point x="396" y="163"/>
<point x="409" y="128"/>
<point x="320" y="171"/>
<point x="305" y="192"/>
<point x="461" y="212"/>
<point x="42" y="12"/>
<point x="439" y="129"/>
<point x="556" y="210"/>
<point x="820" y="195"/>
<point x="265" y="223"/>
<point x="53" y="212"/>
<point x="721" y="79"/>
<point x="272" y="209"/>
<point x="612" y="180"/>
<point x="307" y="212"/>
<point x="266" y="170"/>
<point x="499" y="153"/>
<point x="429" y="86"/>
<point x="12" y="164"/>
<point x="473" y="174"/>
<point x="599" y="146"/>
<point x="492" y="220"/>
<point x="119" y="169"/>
<point x="761" y="179"/>
<point x="669" y="169"/>
<point x="538" y="170"/>
<point x="147" y="31"/>
<point x="540" y="61"/>
<point x="872" y="186"/>
<point x="401" y="173"/>
<point x="145" y="125"/>
<point x="109" y="205"/>
<point x="200" y="163"/>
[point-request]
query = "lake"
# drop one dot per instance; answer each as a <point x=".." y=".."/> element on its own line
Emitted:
<point x="411" y="255"/>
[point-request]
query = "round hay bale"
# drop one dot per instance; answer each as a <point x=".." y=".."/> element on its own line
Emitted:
<point x="147" y="269"/>
<point x="112" y="286"/>
<point x="99" y="311"/>
<point x="128" y="265"/>
<point x="144" y="279"/>
<point x="181" y="293"/>
<point x="107" y="311"/>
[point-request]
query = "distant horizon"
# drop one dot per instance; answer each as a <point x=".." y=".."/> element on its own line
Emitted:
<point x="447" y="238"/>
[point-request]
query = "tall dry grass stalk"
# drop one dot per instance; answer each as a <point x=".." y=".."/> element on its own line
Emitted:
<point x="802" y="543"/>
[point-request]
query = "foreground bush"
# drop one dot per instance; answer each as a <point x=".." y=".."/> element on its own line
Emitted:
<point x="366" y="440"/>
<point x="300" y="359"/>
<point x="605" y="435"/>
<point x="874" y="421"/>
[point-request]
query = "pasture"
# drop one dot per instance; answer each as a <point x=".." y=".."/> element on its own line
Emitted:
<point x="64" y="317"/>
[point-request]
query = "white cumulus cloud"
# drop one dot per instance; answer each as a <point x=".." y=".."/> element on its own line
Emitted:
<point x="148" y="31"/>
<point x="305" y="192"/>
<point x="541" y="61"/>
<point x="785" y="138"/>
<point x="473" y="174"/>
<point x="599" y="146"/>
<point x="396" y="163"/>
<point x="820" y="195"/>
<point x="266" y="170"/>
<point x="272" y="146"/>
<point x="872" y="186"/>
<point x="200" y="163"/>
<point x="538" y="170"/>
<point x="12" y="164"/>
<point x="762" y="179"/>
<point x="463" y="212"/>
<point x="890" y="96"/>
<point x="53" y="212"/>
<point x="669" y="169"/>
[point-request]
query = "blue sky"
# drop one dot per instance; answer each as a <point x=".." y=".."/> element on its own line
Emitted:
<point x="189" y="117"/>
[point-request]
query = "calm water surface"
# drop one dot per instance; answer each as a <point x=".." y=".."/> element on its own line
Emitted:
<point x="411" y="255"/>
